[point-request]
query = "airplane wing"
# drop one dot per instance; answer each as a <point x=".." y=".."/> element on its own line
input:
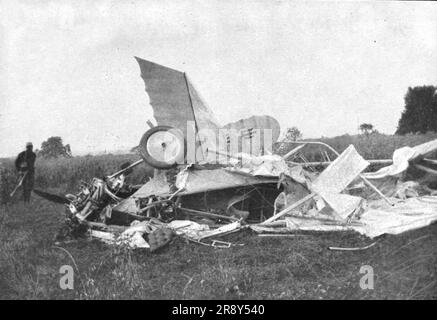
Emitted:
<point x="177" y="103"/>
<point x="256" y="134"/>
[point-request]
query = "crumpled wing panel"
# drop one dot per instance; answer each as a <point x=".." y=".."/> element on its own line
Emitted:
<point x="203" y="114"/>
<point x="206" y="124"/>
<point x="168" y="93"/>
<point x="256" y="127"/>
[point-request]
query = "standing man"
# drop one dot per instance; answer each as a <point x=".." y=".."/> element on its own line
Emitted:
<point x="25" y="165"/>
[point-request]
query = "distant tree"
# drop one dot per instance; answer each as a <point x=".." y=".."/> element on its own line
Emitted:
<point x="420" y="112"/>
<point x="366" y="128"/>
<point x="54" y="148"/>
<point x="293" y="134"/>
<point x="68" y="151"/>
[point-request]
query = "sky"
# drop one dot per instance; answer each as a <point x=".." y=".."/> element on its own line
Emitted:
<point x="67" y="68"/>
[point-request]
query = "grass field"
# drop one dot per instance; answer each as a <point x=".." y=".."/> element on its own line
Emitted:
<point x="264" y="268"/>
<point x="299" y="267"/>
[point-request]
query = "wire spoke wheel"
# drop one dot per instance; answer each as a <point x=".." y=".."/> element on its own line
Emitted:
<point x="162" y="147"/>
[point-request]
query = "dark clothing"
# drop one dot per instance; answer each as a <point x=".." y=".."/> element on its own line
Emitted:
<point x="28" y="185"/>
<point x="25" y="162"/>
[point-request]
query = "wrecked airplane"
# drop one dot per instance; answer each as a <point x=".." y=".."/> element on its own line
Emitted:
<point x="212" y="180"/>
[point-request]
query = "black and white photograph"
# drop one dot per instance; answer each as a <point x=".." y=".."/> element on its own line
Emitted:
<point x="218" y="154"/>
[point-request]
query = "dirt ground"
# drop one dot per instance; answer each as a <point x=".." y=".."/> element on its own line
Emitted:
<point x="298" y="267"/>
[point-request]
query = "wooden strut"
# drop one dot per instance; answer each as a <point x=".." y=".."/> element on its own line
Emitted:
<point x="361" y="176"/>
<point x="431" y="161"/>
<point x="194" y="116"/>
<point x="111" y="228"/>
<point x="327" y="163"/>
<point x="426" y="169"/>
<point x="292" y="152"/>
<point x="353" y="249"/>
<point x="154" y="204"/>
<point x="207" y="214"/>
<point x="125" y="169"/>
<point x="310" y="196"/>
<point x="288" y="209"/>
<point x="281" y="235"/>
<point x="376" y="190"/>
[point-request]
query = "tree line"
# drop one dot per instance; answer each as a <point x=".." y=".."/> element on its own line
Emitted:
<point x="419" y="116"/>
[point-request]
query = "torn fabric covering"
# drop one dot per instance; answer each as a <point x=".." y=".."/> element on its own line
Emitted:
<point x="424" y="149"/>
<point x="127" y="205"/>
<point x="195" y="181"/>
<point x="336" y="177"/>
<point x="267" y="165"/>
<point x="206" y="124"/>
<point x="199" y="181"/>
<point x="264" y="229"/>
<point x="343" y="204"/>
<point x="340" y="173"/>
<point x="133" y="236"/>
<point x="256" y="133"/>
<point x="158" y="185"/>
<point x="197" y="232"/>
<point x="133" y="239"/>
<point x="217" y="179"/>
<point x="187" y="228"/>
<point x="401" y="159"/>
<point x="329" y="184"/>
<point x="410" y="214"/>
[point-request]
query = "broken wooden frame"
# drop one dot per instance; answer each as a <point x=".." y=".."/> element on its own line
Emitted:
<point x="206" y="214"/>
<point x="366" y="181"/>
<point x="313" y="194"/>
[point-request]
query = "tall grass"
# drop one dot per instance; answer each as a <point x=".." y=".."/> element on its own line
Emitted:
<point x="65" y="173"/>
<point x="372" y="146"/>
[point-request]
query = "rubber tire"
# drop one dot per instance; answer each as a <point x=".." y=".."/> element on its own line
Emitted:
<point x="152" y="161"/>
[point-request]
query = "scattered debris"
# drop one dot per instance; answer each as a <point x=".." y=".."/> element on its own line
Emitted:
<point x="209" y="193"/>
<point x="353" y="249"/>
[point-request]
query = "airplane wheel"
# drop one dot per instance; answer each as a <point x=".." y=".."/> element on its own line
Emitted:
<point x="162" y="147"/>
